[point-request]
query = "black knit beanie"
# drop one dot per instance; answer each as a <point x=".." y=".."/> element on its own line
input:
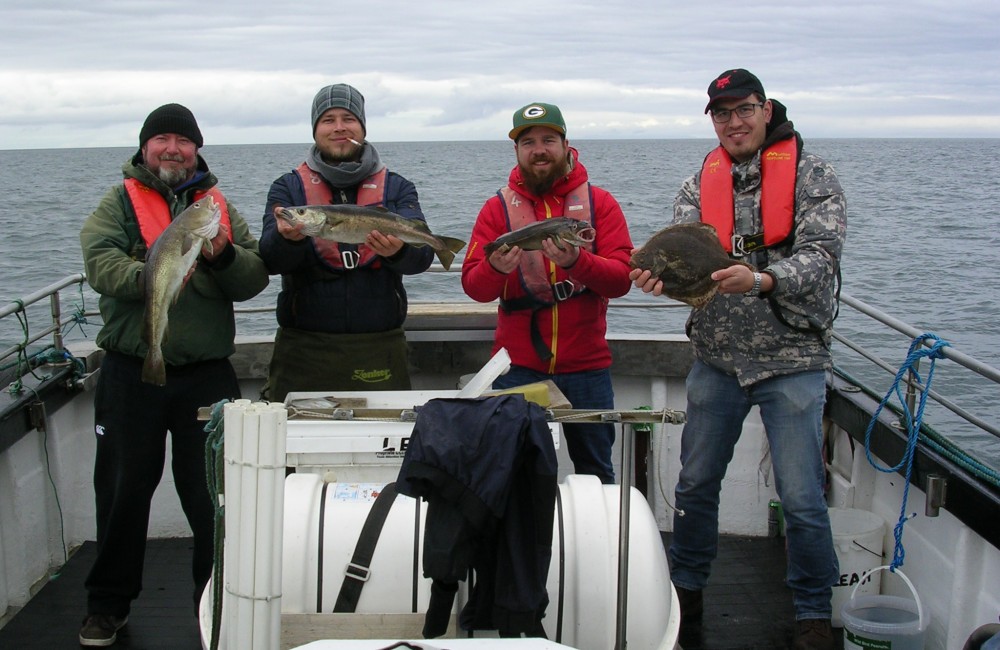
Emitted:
<point x="171" y="118"/>
<point x="339" y="96"/>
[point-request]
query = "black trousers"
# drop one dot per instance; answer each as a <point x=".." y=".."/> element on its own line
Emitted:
<point x="131" y="421"/>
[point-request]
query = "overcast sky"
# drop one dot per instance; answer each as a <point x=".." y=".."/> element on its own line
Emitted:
<point x="85" y="74"/>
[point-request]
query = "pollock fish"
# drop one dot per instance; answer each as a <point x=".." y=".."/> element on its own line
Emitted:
<point x="172" y="255"/>
<point x="684" y="256"/>
<point x="561" y="230"/>
<point x="351" y="224"/>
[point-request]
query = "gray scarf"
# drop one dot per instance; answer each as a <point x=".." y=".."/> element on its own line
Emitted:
<point x="345" y="174"/>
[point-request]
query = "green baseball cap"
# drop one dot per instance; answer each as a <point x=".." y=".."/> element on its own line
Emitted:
<point x="537" y="114"/>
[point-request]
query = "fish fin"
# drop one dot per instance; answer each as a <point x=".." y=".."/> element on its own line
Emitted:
<point x="700" y="301"/>
<point x="153" y="369"/>
<point x="446" y="257"/>
<point x="453" y="244"/>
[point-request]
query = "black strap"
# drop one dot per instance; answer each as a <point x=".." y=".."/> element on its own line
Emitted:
<point x="359" y="570"/>
<point x="536" y="305"/>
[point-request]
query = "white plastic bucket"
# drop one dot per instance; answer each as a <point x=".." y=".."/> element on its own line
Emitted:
<point x="884" y="621"/>
<point x="858" y="537"/>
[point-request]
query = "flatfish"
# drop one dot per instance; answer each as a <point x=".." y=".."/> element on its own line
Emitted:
<point x="684" y="256"/>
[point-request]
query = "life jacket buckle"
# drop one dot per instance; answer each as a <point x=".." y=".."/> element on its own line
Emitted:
<point x="350" y="259"/>
<point x="738" y="249"/>
<point x="563" y="290"/>
<point x="744" y="245"/>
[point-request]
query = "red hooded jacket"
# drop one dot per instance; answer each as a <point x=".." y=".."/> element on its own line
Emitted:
<point x="574" y="329"/>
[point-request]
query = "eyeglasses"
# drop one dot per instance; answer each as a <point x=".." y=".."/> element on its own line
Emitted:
<point x="743" y="111"/>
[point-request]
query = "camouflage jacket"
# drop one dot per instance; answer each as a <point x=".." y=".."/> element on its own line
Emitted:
<point x="742" y="335"/>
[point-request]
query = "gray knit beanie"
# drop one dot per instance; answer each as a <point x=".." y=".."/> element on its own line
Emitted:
<point x="339" y="96"/>
<point x="171" y="118"/>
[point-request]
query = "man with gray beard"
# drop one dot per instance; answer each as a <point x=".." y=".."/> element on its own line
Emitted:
<point x="131" y="417"/>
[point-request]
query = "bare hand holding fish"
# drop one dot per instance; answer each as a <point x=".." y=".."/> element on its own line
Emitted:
<point x="562" y="232"/>
<point x="353" y="224"/>
<point x="170" y="262"/>
<point x="687" y="263"/>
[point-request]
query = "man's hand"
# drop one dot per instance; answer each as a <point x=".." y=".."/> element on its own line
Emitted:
<point x="505" y="261"/>
<point x="287" y="230"/>
<point x="384" y="245"/>
<point x="214" y="247"/>
<point x="646" y="281"/>
<point x="562" y="257"/>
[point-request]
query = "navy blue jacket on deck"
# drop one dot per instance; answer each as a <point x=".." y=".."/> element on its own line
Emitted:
<point x="487" y="468"/>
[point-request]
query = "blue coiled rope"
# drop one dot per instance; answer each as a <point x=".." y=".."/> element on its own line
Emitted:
<point x="917" y="352"/>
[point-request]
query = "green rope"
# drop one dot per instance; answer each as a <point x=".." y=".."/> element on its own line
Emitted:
<point x="215" y="473"/>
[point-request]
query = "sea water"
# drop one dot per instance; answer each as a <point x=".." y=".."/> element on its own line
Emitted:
<point x="923" y="231"/>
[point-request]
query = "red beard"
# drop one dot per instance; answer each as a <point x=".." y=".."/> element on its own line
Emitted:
<point x="541" y="182"/>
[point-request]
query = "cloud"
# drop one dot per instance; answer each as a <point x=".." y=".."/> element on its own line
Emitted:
<point x="80" y="75"/>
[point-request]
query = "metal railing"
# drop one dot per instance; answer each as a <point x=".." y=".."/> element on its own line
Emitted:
<point x="54" y="327"/>
<point x="57" y="321"/>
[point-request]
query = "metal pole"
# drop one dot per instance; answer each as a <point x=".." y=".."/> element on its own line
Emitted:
<point x="621" y="613"/>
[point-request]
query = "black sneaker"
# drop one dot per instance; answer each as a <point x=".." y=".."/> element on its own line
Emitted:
<point x="101" y="630"/>
<point x="813" y="634"/>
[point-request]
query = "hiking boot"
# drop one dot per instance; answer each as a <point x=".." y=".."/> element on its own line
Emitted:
<point x="813" y="634"/>
<point x="101" y="630"/>
<point x="691" y="604"/>
<point x="692" y="608"/>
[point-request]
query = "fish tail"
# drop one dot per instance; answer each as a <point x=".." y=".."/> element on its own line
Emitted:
<point x="446" y="257"/>
<point x="153" y="369"/>
<point x="453" y="244"/>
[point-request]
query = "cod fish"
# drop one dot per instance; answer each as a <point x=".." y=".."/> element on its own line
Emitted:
<point x="350" y="224"/>
<point x="561" y="230"/>
<point x="684" y="256"/>
<point x="172" y="255"/>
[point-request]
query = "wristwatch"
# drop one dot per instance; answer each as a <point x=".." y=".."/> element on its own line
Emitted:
<point x="755" y="289"/>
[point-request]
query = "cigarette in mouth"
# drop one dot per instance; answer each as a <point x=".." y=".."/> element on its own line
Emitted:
<point x="354" y="141"/>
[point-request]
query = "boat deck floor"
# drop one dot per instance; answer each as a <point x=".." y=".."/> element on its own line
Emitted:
<point x="747" y="604"/>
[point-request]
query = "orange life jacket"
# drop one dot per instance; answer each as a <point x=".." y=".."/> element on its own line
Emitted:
<point x="318" y="192"/>
<point x="537" y="273"/>
<point x="153" y="214"/>
<point x="777" y="199"/>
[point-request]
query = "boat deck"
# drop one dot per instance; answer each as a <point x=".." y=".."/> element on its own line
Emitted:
<point x="747" y="604"/>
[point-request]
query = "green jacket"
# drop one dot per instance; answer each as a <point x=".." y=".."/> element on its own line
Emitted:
<point x="201" y="325"/>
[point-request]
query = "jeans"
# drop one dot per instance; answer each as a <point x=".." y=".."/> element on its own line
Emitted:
<point x="589" y="445"/>
<point x="791" y="408"/>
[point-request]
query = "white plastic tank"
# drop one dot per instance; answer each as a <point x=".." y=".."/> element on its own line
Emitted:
<point x="582" y="583"/>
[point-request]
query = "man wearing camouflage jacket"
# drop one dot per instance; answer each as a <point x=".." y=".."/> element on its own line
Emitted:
<point x="763" y="340"/>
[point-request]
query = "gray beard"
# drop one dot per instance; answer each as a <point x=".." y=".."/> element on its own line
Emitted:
<point x="172" y="177"/>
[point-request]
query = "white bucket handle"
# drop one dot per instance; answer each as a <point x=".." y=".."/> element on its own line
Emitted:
<point x="916" y="596"/>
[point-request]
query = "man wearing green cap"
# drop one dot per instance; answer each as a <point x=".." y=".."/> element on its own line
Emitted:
<point x="553" y="302"/>
<point x="131" y="417"/>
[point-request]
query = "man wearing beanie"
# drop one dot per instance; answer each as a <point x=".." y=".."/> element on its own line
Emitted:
<point x="553" y="302"/>
<point x="342" y="306"/>
<point x="763" y="340"/>
<point x="132" y="417"/>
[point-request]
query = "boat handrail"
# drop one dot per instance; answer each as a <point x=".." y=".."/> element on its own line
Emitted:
<point x="57" y="322"/>
<point x="55" y="327"/>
